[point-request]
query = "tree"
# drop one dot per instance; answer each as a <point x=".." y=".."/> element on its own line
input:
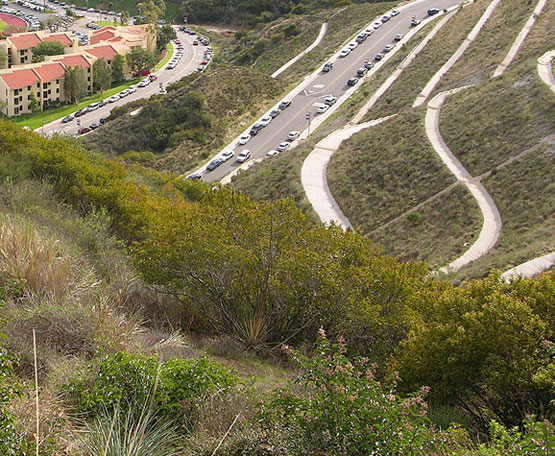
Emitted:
<point x="164" y="35"/>
<point x="102" y="77"/>
<point x="56" y="24"/>
<point x="3" y="57"/>
<point x="152" y="10"/>
<point x="488" y="348"/>
<point x="47" y="48"/>
<point x="34" y="104"/>
<point x="75" y="84"/>
<point x="117" y="68"/>
<point x="140" y="60"/>
<point x="124" y="18"/>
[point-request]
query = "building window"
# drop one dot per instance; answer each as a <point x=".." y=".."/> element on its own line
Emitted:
<point x="57" y="90"/>
<point x="16" y="111"/>
<point x="44" y="94"/>
<point x="16" y="101"/>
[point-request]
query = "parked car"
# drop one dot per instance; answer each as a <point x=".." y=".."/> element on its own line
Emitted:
<point x="398" y="37"/>
<point x="361" y="38"/>
<point x="274" y="113"/>
<point x="83" y="130"/>
<point x="433" y="11"/>
<point x="103" y="120"/>
<point x="386" y="18"/>
<point x="255" y="129"/>
<point x="377" y="25"/>
<point x="144" y="82"/>
<point x="344" y="53"/>
<point x="68" y="118"/>
<point x="284" y="104"/>
<point x="394" y="13"/>
<point x="388" y="47"/>
<point x="330" y="100"/>
<point x="272" y="153"/>
<point x="362" y="72"/>
<point x="94" y="125"/>
<point x="194" y="176"/>
<point x="352" y="46"/>
<point x="123" y="93"/>
<point x="282" y="147"/>
<point x="244" y="139"/>
<point x="327" y="67"/>
<point x="369" y="65"/>
<point x="227" y="154"/>
<point x="214" y="164"/>
<point x="243" y="156"/>
<point x="153" y="77"/>
<point x="379" y="57"/>
<point x="322" y="108"/>
<point x="293" y="135"/>
<point x="414" y="22"/>
<point x="80" y="112"/>
<point x="92" y="107"/>
<point x="113" y="99"/>
<point x="265" y="121"/>
<point x="352" y="81"/>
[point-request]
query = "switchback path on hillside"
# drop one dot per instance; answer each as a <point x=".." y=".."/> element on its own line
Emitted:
<point x="433" y="82"/>
<point x="491" y="227"/>
<point x="531" y="268"/>
<point x="519" y="39"/>
<point x="545" y="69"/>
<point x="316" y="42"/>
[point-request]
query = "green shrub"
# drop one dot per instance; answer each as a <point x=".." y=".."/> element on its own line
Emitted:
<point x="175" y="388"/>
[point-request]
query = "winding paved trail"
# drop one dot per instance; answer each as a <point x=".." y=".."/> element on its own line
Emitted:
<point x="433" y="82"/>
<point x="519" y="39"/>
<point x="545" y="69"/>
<point x="491" y="227"/>
<point x="313" y="174"/>
<point x="316" y="42"/>
<point x="530" y="268"/>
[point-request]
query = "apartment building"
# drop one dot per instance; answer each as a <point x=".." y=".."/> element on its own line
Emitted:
<point x="23" y="80"/>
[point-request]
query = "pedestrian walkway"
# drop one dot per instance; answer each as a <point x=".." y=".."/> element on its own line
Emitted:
<point x="531" y="268"/>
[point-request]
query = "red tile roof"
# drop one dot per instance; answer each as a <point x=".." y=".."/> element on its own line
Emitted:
<point x="19" y="79"/>
<point x="60" y="38"/>
<point x="50" y="72"/>
<point x="74" y="61"/>
<point x="103" y="29"/>
<point x="115" y="39"/>
<point x="102" y="37"/>
<point x="26" y="41"/>
<point x="105" y="52"/>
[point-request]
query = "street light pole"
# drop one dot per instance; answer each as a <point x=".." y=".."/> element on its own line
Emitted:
<point x="308" y="119"/>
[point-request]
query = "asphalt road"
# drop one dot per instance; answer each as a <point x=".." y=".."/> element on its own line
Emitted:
<point x="192" y="56"/>
<point x="333" y="83"/>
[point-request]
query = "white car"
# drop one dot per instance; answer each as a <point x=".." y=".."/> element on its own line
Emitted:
<point x="369" y="31"/>
<point x="113" y="99"/>
<point x="293" y="135"/>
<point x="273" y="152"/>
<point x="388" y="47"/>
<point x="344" y="53"/>
<point x="243" y="156"/>
<point x="163" y="92"/>
<point x="265" y="121"/>
<point x="394" y="13"/>
<point x="330" y="100"/>
<point x="283" y="146"/>
<point x="132" y="88"/>
<point x="386" y="18"/>
<point x="398" y="37"/>
<point x="323" y="108"/>
<point x="377" y="24"/>
<point x="124" y="93"/>
<point x="144" y="82"/>
<point x="352" y="46"/>
<point x="244" y="139"/>
<point x="227" y="154"/>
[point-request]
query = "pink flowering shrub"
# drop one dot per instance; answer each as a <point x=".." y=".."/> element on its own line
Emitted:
<point x="337" y="406"/>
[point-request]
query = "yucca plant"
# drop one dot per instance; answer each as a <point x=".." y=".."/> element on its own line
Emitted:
<point x="131" y="433"/>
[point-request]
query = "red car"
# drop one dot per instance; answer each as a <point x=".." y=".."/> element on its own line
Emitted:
<point x="153" y="77"/>
<point x="83" y="130"/>
<point x="204" y="62"/>
<point x="177" y="42"/>
<point x="195" y="43"/>
<point x="145" y="73"/>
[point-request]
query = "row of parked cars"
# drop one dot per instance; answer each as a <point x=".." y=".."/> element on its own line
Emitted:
<point x="177" y="57"/>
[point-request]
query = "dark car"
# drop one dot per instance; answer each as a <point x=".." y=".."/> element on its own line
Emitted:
<point x="83" y="130"/>
<point x="361" y="72"/>
<point x="80" y="112"/>
<point x="67" y="119"/>
<point x="214" y="164"/>
<point x="327" y="67"/>
<point x="194" y="176"/>
<point x="284" y="104"/>
<point x="369" y="65"/>
<point x="379" y="56"/>
<point x="352" y="81"/>
<point x="103" y="120"/>
<point x="274" y="113"/>
<point x="433" y="11"/>
<point x="255" y="129"/>
<point x="102" y="103"/>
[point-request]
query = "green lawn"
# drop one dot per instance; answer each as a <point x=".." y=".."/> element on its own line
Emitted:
<point x="107" y="23"/>
<point x="3" y="26"/>
<point x="39" y="119"/>
<point x="166" y="59"/>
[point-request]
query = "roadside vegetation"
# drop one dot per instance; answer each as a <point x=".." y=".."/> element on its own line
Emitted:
<point x="120" y="269"/>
